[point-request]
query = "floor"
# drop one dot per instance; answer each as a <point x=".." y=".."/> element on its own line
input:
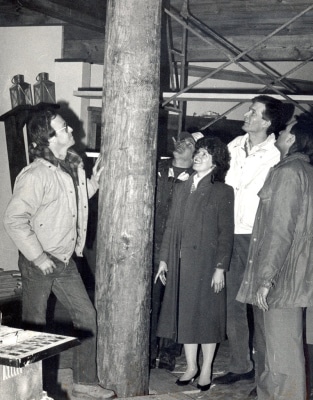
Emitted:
<point x="162" y="383"/>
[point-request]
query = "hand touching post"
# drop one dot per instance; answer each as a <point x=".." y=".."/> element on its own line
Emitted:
<point x="97" y="170"/>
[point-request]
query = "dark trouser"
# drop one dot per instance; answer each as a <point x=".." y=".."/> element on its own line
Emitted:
<point x="309" y="343"/>
<point x="259" y="341"/>
<point x="237" y="322"/>
<point x="66" y="283"/>
<point x="164" y="347"/>
<point x="284" y="374"/>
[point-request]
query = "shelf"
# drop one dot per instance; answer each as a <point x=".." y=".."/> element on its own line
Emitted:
<point x="187" y="96"/>
<point x="89" y="93"/>
<point x="27" y="107"/>
<point x="233" y="97"/>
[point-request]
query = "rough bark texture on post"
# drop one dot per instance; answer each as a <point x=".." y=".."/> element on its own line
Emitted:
<point x="126" y="197"/>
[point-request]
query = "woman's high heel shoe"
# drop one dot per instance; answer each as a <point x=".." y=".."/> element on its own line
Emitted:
<point x="187" y="381"/>
<point x="204" y="388"/>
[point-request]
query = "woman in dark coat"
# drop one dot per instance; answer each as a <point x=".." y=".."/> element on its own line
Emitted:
<point x="195" y="252"/>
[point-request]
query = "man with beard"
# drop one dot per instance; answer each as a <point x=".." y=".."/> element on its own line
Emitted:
<point x="170" y="172"/>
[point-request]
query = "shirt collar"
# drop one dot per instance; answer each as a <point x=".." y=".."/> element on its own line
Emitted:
<point x="246" y="147"/>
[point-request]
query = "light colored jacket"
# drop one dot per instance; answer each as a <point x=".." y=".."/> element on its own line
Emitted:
<point x="43" y="214"/>
<point x="246" y="175"/>
<point x="281" y="247"/>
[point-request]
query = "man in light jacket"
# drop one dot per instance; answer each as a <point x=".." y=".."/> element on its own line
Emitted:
<point x="279" y="273"/>
<point x="47" y="220"/>
<point x="252" y="155"/>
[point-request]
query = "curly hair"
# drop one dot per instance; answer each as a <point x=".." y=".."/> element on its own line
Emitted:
<point x="220" y="156"/>
<point x="39" y="128"/>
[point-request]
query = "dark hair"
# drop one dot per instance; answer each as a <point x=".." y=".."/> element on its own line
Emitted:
<point x="303" y="132"/>
<point x="39" y="128"/>
<point x="273" y="112"/>
<point x="220" y="156"/>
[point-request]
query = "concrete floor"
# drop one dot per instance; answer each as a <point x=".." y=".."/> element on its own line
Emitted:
<point x="162" y="383"/>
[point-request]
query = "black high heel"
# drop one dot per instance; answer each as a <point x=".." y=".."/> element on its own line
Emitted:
<point x="204" y="388"/>
<point x="187" y="381"/>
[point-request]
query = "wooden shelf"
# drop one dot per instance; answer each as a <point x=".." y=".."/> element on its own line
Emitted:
<point x="233" y="97"/>
<point x="194" y="96"/>
<point x="91" y="93"/>
<point x="27" y="108"/>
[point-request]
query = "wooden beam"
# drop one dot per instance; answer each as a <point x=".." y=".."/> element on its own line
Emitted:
<point x="126" y="196"/>
<point x="29" y="20"/>
<point x="297" y="48"/>
<point x="91" y="50"/>
<point x="236" y="76"/>
<point x="278" y="48"/>
<point x="65" y="14"/>
<point x="12" y="16"/>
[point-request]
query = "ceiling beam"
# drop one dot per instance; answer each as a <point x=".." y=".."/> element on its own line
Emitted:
<point x="236" y="76"/>
<point x="68" y="15"/>
<point x="27" y="18"/>
<point x="90" y="50"/>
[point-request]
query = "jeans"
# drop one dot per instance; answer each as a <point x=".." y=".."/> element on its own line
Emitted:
<point x="284" y="374"/>
<point x="66" y="283"/>
<point x="237" y="321"/>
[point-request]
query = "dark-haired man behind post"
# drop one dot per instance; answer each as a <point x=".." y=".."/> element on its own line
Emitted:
<point x="47" y="220"/>
<point x="252" y="155"/>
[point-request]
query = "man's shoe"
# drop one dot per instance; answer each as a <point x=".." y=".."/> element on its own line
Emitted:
<point x="167" y="362"/>
<point x="231" y="377"/>
<point x="168" y="367"/>
<point x="92" y="392"/>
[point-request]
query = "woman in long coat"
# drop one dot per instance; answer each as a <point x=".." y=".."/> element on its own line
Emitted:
<point x="195" y="252"/>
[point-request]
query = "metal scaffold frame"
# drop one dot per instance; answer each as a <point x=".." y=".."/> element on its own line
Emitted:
<point x="176" y="101"/>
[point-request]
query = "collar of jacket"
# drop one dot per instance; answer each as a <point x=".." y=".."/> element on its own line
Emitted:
<point x="294" y="156"/>
<point x="205" y="181"/>
<point x="268" y="142"/>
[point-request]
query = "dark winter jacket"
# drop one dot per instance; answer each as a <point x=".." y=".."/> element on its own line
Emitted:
<point x="281" y="249"/>
<point x="164" y="194"/>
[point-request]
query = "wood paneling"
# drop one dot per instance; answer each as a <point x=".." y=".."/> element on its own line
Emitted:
<point x="242" y="22"/>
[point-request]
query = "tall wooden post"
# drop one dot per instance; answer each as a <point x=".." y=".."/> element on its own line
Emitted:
<point x="126" y="197"/>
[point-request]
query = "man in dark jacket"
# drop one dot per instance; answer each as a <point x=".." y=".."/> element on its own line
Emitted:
<point x="279" y="273"/>
<point x="170" y="172"/>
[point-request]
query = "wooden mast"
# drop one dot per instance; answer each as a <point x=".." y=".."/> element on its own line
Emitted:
<point x="126" y="196"/>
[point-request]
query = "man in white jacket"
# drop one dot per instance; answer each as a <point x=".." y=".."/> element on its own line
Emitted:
<point x="252" y="155"/>
<point x="47" y="220"/>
